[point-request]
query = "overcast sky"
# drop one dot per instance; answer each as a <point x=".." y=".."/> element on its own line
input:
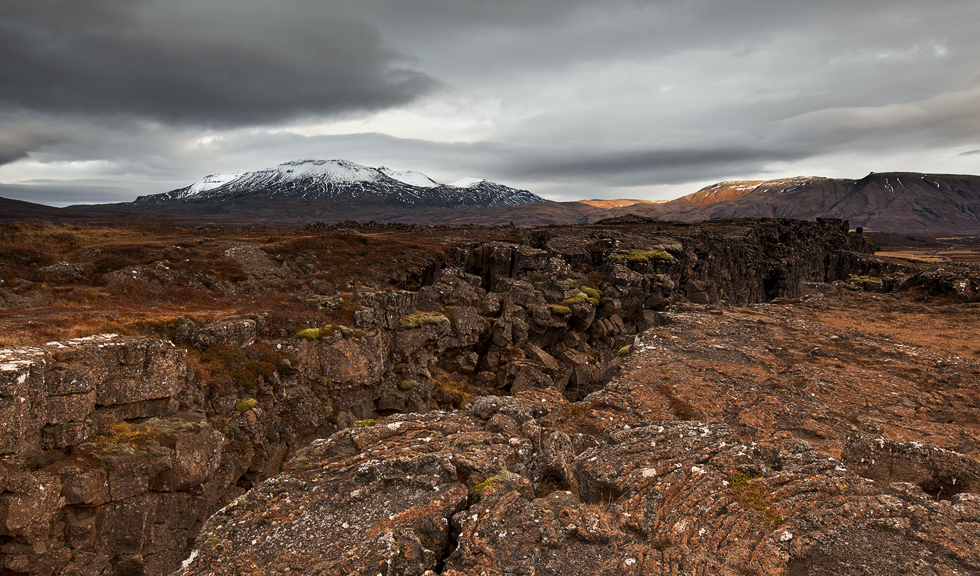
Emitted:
<point x="104" y="100"/>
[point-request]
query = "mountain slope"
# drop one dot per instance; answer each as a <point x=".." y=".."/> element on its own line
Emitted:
<point x="894" y="201"/>
<point x="302" y="184"/>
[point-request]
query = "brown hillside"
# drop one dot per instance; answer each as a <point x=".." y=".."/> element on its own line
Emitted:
<point x="616" y="203"/>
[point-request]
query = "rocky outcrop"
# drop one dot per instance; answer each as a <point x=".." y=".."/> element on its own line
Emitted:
<point x="119" y="448"/>
<point x="79" y="485"/>
<point x="501" y="488"/>
<point x="58" y="395"/>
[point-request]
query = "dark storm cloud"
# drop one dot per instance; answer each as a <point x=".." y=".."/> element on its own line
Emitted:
<point x="602" y="96"/>
<point x="18" y="140"/>
<point x="13" y="147"/>
<point x="638" y="167"/>
<point x="216" y="63"/>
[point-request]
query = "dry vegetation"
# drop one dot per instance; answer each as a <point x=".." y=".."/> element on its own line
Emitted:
<point x="67" y="281"/>
<point x="944" y="327"/>
<point x="928" y="249"/>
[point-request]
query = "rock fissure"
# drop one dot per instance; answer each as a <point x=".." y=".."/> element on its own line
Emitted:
<point x="597" y="467"/>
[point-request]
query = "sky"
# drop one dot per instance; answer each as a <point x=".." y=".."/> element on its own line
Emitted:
<point x="107" y="100"/>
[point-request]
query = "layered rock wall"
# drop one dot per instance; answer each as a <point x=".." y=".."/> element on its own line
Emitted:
<point x="79" y="485"/>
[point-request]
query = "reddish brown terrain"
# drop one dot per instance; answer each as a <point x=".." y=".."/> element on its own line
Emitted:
<point x="614" y="203"/>
<point x="734" y="397"/>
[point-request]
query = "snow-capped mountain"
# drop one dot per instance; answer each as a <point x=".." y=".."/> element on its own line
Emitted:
<point x="343" y="183"/>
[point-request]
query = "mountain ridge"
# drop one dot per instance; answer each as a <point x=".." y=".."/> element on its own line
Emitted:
<point x="886" y="201"/>
<point x="342" y="182"/>
<point x="308" y="191"/>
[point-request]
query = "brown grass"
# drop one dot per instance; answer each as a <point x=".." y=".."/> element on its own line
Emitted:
<point x="944" y="328"/>
<point x="76" y="304"/>
<point x="227" y="369"/>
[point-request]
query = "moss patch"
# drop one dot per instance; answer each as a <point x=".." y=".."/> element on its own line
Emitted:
<point x="476" y="490"/>
<point x="245" y="404"/>
<point x="755" y="496"/>
<point x="864" y="280"/>
<point x="579" y="298"/>
<point x="560" y="310"/>
<point x="421" y="319"/>
<point x="642" y="256"/>
<point x="315" y="333"/>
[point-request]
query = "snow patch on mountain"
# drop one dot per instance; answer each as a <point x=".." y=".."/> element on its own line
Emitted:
<point x="467" y="182"/>
<point x="211" y="182"/>
<point x="337" y="171"/>
<point x="344" y="182"/>
<point x="409" y="177"/>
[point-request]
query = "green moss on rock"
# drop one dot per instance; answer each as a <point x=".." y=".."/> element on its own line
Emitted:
<point x="245" y="404"/>
<point x="421" y="319"/>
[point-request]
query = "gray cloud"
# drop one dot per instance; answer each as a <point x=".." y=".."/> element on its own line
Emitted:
<point x="643" y="167"/>
<point x="65" y="193"/>
<point x="215" y="63"/>
<point x="19" y="139"/>
<point x="13" y="147"/>
<point x="599" y="97"/>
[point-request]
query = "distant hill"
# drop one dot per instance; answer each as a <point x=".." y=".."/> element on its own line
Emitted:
<point x="20" y="211"/>
<point x="616" y="203"/>
<point x="892" y="202"/>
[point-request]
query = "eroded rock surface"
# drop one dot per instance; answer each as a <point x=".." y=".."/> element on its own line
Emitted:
<point x="487" y="491"/>
<point x="120" y="448"/>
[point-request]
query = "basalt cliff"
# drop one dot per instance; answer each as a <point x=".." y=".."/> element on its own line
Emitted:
<point x="623" y="398"/>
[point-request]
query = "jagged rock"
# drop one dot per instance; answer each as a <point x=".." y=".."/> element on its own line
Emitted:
<point x="519" y="376"/>
<point x="240" y="333"/>
<point x="163" y="274"/>
<point x="65" y="272"/>
<point x="255" y="262"/>
<point x="942" y="473"/>
<point x="83" y="481"/>
<point x="510" y="329"/>
<point x="385" y="308"/>
<point x="136" y="508"/>
<point x="457" y="492"/>
<point x="452" y="287"/>
<point x="27" y="504"/>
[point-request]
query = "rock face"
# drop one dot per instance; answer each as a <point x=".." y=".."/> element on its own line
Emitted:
<point x="502" y="489"/>
<point x="116" y="450"/>
<point x="73" y="466"/>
